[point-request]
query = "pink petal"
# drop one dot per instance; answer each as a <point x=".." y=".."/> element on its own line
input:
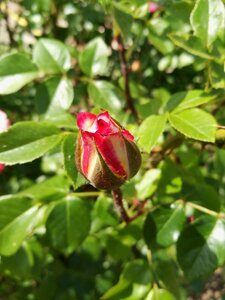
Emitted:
<point x="113" y="150"/>
<point x="153" y="7"/>
<point x="104" y="116"/>
<point x="127" y="135"/>
<point x="86" y="120"/>
<point x="4" y="121"/>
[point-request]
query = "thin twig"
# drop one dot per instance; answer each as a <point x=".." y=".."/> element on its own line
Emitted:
<point x="125" y="73"/>
<point x="220" y="126"/>
<point x="6" y="17"/>
<point x="202" y="209"/>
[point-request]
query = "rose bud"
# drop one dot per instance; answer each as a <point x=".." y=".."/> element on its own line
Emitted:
<point x="106" y="153"/>
<point x="4" y="125"/>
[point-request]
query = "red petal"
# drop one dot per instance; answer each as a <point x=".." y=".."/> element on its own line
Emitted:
<point x="105" y="124"/>
<point x="113" y="150"/>
<point x="85" y="120"/>
<point x="127" y="135"/>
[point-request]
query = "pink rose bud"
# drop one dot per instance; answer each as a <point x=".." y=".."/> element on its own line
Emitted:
<point x="106" y="153"/>
<point x="153" y="7"/>
<point x="4" y="124"/>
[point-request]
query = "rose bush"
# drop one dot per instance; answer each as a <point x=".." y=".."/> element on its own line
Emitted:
<point x="157" y="68"/>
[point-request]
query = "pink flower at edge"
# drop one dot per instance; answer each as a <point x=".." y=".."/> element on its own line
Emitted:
<point x="4" y="125"/>
<point x="4" y="121"/>
<point x="2" y="167"/>
<point x="106" y="153"/>
<point x="153" y="7"/>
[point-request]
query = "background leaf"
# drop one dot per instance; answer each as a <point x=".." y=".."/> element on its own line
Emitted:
<point x="27" y="141"/>
<point x="105" y="95"/>
<point x="51" y="56"/>
<point x="207" y="19"/>
<point x="69" y="146"/>
<point x="184" y="100"/>
<point x="150" y="130"/>
<point x="123" y="22"/>
<point x="201" y="247"/>
<point x="68" y="224"/>
<point x="94" y="58"/>
<point x="168" y="224"/>
<point x="16" y="222"/>
<point x="54" y="96"/>
<point x="194" y="123"/>
<point x="16" y="70"/>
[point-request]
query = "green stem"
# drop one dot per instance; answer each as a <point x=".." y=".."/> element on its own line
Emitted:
<point x="203" y="209"/>
<point x="86" y="194"/>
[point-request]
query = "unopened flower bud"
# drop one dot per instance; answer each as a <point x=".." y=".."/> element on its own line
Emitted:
<point x="106" y="153"/>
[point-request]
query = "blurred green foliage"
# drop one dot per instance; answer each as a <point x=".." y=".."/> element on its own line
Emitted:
<point x="159" y="74"/>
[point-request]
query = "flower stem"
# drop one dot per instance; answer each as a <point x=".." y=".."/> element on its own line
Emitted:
<point x="118" y="200"/>
<point x="85" y="194"/>
<point x="117" y="197"/>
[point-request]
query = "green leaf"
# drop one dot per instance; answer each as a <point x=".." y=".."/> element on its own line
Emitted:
<point x="157" y="35"/>
<point x="94" y="58"/>
<point x="217" y="74"/>
<point x="194" y="123"/>
<point x="63" y="119"/>
<point x="159" y="294"/>
<point x="68" y="224"/>
<point x="68" y="148"/>
<point x="105" y="95"/>
<point x="168" y="223"/>
<point x="148" y="184"/>
<point x="203" y="194"/>
<point x="134" y="282"/>
<point x="150" y="131"/>
<point x="201" y="247"/>
<point x="207" y="19"/>
<point x="51" y="189"/>
<point x="27" y="141"/>
<point x="51" y="56"/>
<point x="54" y="96"/>
<point x="167" y="273"/>
<point x="192" y="45"/>
<point x="16" y="70"/>
<point x="104" y="214"/>
<point x="26" y="262"/>
<point x="19" y="264"/>
<point x="190" y="99"/>
<point x="123" y="22"/>
<point x="16" y="222"/>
